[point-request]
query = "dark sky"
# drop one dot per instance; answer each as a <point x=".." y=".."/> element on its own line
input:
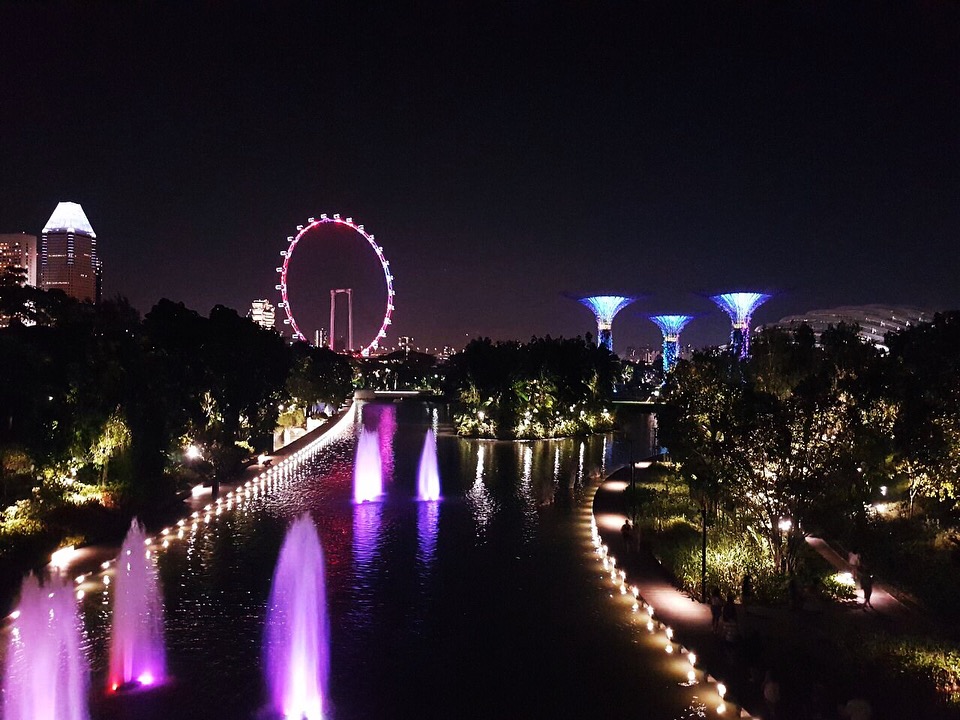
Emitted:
<point x="501" y="153"/>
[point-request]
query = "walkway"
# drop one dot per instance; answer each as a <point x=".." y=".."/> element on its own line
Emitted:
<point x="92" y="560"/>
<point x="881" y="600"/>
<point x="799" y="646"/>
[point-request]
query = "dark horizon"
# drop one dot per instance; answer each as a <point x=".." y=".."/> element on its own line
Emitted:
<point x="501" y="155"/>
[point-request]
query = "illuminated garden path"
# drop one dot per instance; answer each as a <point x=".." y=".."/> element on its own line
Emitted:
<point x="799" y="646"/>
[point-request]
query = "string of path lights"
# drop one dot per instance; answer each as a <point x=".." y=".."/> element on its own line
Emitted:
<point x="645" y="614"/>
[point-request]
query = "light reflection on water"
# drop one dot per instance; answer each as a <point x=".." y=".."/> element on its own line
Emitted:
<point x="428" y="517"/>
<point x="366" y="535"/>
<point x="408" y="582"/>
<point x="481" y="501"/>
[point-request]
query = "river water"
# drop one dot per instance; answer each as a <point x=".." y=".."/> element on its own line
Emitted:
<point x="485" y="605"/>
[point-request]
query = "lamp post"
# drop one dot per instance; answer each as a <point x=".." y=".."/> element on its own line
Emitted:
<point x="785" y="525"/>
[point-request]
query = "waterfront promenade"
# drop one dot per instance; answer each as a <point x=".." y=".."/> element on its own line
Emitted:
<point x="799" y="646"/>
<point x="90" y="560"/>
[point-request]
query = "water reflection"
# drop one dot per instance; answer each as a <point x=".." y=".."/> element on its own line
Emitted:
<point x="406" y="600"/>
<point x="556" y="465"/>
<point x="428" y="518"/>
<point x="605" y="456"/>
<point x="583" y="452"/>
<point x="526" y="492"/>
<point x="366" y="535"/>
<point x="481" y="503"/>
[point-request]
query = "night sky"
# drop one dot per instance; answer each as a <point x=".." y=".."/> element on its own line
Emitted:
<point x="502" y="154"/>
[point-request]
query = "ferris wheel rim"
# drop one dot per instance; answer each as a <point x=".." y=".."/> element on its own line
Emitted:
<point x="283" y="286"/>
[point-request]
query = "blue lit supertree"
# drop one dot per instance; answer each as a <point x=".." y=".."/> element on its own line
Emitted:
<point x="670" y="326"/>
<point x="740" y="306"/>
<point x="605" y="308"/>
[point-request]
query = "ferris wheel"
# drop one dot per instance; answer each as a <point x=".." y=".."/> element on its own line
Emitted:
<point x="313" y="227"/>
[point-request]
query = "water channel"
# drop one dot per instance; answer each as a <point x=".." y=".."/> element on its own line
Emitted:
<point x="486" y="604"/>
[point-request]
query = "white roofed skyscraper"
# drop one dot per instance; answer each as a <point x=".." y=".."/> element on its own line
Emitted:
<point x="605" y="308"/>
<point x="68" y="254"/>
<point x="740" y="307"/>
<point x="671" y="326"/>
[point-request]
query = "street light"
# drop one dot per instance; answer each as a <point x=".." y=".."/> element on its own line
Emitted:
<point x="785" y="526"/>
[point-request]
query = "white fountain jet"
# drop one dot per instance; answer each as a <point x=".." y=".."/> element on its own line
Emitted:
<point x="137" y="655"/>
<point x="428" y="476"/>
<point x="297" y="633"/>
<point x="367" y="470"/>
<point x="46" y="671"/>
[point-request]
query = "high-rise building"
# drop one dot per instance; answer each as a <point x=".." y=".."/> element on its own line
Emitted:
<point x="18" y="254"/>
<point x="68" y="254"/>
<point x="262" y="313"/>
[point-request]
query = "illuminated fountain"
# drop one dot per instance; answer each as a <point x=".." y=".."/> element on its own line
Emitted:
<point x="367" y="470"/>
<point x="605" y="308"/>
<point x="428" y="477"/>
<point x="46" y="671"/>
<point x="137" y="656"/>
<point x="297" y="632"/>
<point x="739" y="306"/>
<point x="671" y="326"/>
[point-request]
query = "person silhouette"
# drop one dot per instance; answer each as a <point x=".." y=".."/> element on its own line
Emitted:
<point x="866" y="584"/>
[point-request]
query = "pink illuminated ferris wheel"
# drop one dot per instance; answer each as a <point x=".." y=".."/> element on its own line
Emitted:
<point x="313" y="228"/>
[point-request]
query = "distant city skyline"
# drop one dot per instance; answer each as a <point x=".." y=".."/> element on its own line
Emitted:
<point x="503" y="155"/>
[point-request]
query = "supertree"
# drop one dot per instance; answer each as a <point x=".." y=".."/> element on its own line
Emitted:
<point x="740" y="306"/>
<point x="671" y="326"/>
<point x="605" y="308"/>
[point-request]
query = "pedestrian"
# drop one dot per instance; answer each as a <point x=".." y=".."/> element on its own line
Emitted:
<point x="771" y="694"/>
<point x="866" y="584"/>
<point x="716" y="607"/>
<point x="729" y="619"/>
<point x="746" y="589"/>
<point x="853" y="560"/>
<point x="626" y="532"/>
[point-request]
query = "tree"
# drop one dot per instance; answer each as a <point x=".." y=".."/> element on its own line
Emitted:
<point x="544" y="388"/>
<point x="318" y="376"/>
<point x="924" y="377"/>
<point x="786" y="441"/>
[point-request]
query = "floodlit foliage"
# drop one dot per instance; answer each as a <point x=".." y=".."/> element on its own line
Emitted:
<point x="786" y="441"/>
<point x="545" y="388"/>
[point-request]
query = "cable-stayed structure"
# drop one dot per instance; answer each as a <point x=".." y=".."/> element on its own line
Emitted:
<point x="740" y="307"/>
<point x="671" y="326"/>
<point x="605" y="308"/>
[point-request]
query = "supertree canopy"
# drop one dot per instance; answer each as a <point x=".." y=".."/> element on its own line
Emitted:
<point x="605" y="308"/>
<point x="671" y="326"/>
<point x="740" y="306"/>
